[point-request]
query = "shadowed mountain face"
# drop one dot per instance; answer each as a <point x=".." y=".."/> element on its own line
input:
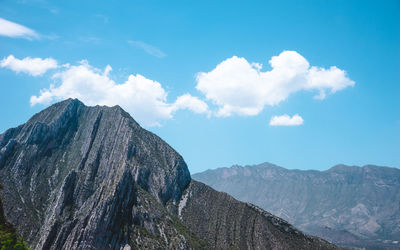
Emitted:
<point x="77" y="177"/>
<point x="357" y="206"/>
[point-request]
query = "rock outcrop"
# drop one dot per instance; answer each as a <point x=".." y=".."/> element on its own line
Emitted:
<point x="348" y="205"/>
<point x="78" y="177"/>
<point x="230" y="224"/>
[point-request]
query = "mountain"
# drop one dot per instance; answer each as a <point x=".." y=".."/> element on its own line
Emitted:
<point x="78" y="177"/>
<point x="347" y="205"/>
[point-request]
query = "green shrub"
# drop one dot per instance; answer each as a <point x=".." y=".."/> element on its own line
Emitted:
<point x="9" y="239"/>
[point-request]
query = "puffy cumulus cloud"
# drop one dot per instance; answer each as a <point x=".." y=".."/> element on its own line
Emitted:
<point x="144" y="99"/>
<point x="191" y="103"/>
<point x="239" y="87"/>
<point x="286" y="120"/>
<point x="32" y="66"/>
<point x="11" y="29"/>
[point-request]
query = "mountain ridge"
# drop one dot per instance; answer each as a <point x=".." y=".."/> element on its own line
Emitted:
<point x="362" y="201"/>
<point x="78" y="177"/>
<point x="271" y="165"/>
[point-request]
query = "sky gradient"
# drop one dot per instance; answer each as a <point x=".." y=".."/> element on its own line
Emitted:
<point x="220" y="81"/>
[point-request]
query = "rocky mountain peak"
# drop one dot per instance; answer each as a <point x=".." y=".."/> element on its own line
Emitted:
<point x="78" y="177"/>
<point x="69" y="156"/>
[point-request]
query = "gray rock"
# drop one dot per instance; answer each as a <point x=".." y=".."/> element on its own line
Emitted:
<point x="77" y="177"/>
<point x="71" y="172"/>
<point x="229" y="224"/>
<point x="351" y="206"/>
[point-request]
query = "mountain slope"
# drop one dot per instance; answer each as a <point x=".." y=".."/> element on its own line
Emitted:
<point x="229" y="224"/>
<point x="347" y="205"/>
<point x="8" y="236"/>
<point x="77" y="177"/>
<point x="71" y="173"/>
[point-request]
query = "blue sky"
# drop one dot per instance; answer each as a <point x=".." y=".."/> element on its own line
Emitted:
<point x="209" y="76"/>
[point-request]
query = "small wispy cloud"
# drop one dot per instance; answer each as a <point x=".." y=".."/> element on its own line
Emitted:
<point x="54" y="10"/>
<point x="102" y="17"/>
<point x="286" y="120"/>
<point x="149" y="49"/>
<point x="15" y="30"/>
<point x="90" y="39"/>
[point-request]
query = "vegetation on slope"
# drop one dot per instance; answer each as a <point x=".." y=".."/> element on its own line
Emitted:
<point x="9" y="239"/>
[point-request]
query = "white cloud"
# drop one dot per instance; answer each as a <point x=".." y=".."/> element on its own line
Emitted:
<point x="32" y="66"/>
<point x="191" y="103"/>
<point x="149" y="49"/>
<point x="239" y="87"/>
<point x="144" y="99"/>
<point x="286" y="120"/>
<point x="11" y="29"/>
<point x="235" y="86"/>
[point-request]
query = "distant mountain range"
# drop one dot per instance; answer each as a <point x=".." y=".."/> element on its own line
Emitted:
<point x="347" y="205"/>
<point x="78" y="177"/>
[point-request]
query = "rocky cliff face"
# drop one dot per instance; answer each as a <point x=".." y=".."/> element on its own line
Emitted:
<point x="77" y="177"/>
<point x="229" y="224"/>
<point x="70" y="175"/>
<point x="356" y="206"/>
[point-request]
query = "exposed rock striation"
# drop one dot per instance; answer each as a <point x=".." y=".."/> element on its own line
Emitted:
<point x="78" y="177"/>
<point x="230" y="224"/>
<point x="71" y="173"/>
<point x="348" y="205"/>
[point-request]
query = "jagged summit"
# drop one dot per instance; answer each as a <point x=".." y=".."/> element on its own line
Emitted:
<point x="68" y="157"/>
<point x="78" y="177"/>
<point x="58" y="109"/>
<point x="106" y="130"/>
